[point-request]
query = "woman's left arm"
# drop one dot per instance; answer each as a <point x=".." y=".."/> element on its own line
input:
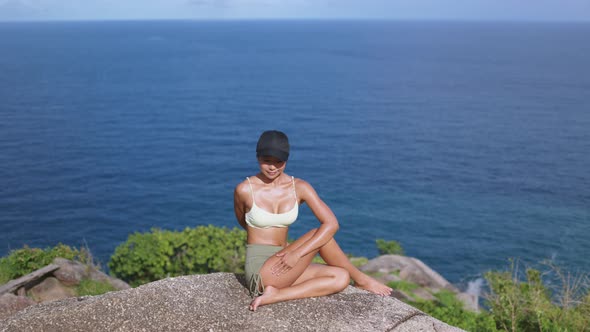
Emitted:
<point x="329" y="223"/>
<point x="291" y="255"/>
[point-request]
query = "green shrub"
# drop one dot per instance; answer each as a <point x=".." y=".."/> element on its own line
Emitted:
<point x="4" y="273"/>
<point x="93" y="287"/>
<point x="389" y="247"/>
<point x="22" y="261"/>
<point x="519" y="302"/>
<point x="523" y="303"/>
<point x="146" y="257"/>
<point x="403" y="285"/>
<point x="449" y="309"/>
<point x="318" y="260"/>
<point x="358" y="261"/>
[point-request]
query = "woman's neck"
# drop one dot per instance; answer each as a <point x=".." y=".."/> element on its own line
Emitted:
<point x="272" y="182"/>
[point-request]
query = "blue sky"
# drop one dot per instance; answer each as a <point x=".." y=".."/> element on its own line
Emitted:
<point x="536" y="10"/>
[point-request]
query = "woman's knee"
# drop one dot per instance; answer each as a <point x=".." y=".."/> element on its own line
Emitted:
<point x="341" y="278"/>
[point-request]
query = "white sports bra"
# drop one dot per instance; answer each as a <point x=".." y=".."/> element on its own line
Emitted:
<point x="259" y="218"/>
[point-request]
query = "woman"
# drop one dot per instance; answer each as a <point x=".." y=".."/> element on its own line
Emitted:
<point x="265" y="205"/>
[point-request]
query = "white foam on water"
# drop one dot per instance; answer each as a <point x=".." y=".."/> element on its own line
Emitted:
<point x="474" y="286"/>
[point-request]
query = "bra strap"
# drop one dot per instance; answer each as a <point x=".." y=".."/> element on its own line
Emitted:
<point x="251" y="190"/>
<point x="294" y="191"/>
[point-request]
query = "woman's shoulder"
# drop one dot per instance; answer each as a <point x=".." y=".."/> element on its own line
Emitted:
<point x="300" y="181"/>
<point x="302" y="185"/>
<point x="243" y="187"/>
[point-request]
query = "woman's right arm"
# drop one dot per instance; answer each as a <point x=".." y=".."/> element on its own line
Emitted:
<point x="239" y="205"/>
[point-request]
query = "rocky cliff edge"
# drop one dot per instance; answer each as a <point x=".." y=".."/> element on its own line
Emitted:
<point x="219" y="302"/>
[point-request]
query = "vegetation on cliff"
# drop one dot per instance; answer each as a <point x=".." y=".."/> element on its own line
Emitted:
<point x="23" y="261"/>
<point x="26" y="260"/>
<point x="147" y="257"/>
<point x="389" y="247"/>
<point x="450" y="310"/>
<point x="517" y="300"/>
<point x="531" y="300"/>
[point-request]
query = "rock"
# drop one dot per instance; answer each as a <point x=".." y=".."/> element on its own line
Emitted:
<point x="28" y="280"/>
<point x="50" y="289"/>
<point x="421" y="323"/>
<point x="10" y="304"/>
<point x="436" y="280"/>
<point x="119" y="284"/>
<point x="219" y="302"/>
<point x="424" y="294"/>
<point x="70" y="273"/>
<point x="401" y="295"/>
<point x="411" y="269"/>
<point x="388" y="278"/>
<point x="53" y="282"/>
<point x="387" y="264"/>
<point x="414" y="274"/>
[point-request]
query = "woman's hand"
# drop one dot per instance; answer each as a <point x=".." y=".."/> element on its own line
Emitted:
<point x="286" y="262"/>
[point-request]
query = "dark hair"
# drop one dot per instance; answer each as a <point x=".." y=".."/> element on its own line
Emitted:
<point x="273" y="143"/>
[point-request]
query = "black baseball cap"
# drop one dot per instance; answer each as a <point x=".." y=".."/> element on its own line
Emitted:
<point x="273" y="143"/>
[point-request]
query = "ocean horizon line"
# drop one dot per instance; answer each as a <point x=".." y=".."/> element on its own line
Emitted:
<point x="311" y="19"/>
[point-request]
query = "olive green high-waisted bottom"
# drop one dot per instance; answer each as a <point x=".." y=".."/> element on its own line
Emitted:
<point x="256" y="255"/>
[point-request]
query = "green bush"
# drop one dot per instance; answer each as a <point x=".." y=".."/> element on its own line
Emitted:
<point x="403" y="285"/>
<point x="358" y="261"/>
<point x="26" y="260"/>
<point x="389" y="247"/>
<point x="93" y="287"/>
<point x="146" y="257"/>
<point x="519" y="302"/>
<point x="524" y="303"/>
<point x="449" y="309"/>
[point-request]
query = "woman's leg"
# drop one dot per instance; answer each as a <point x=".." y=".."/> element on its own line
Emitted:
<point x="303" y="280"/>
<point x="316" y="280"/>
<point x="334" y="256"/>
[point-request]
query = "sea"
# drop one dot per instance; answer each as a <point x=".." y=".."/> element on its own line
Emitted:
<point x="467" y="142"/>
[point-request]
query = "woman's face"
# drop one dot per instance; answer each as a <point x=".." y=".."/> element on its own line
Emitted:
<point x="271" y="167"/>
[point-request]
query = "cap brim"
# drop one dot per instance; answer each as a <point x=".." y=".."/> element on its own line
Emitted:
<point x="281" y="155"/>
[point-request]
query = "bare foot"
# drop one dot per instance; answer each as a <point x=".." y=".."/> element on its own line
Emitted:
<point x="265" y="298"/>
<point x="373" y="286"/>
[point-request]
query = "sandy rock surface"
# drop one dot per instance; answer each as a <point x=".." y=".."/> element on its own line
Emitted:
<point x="219" y="302"/>
<point x="10" y="304"/>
